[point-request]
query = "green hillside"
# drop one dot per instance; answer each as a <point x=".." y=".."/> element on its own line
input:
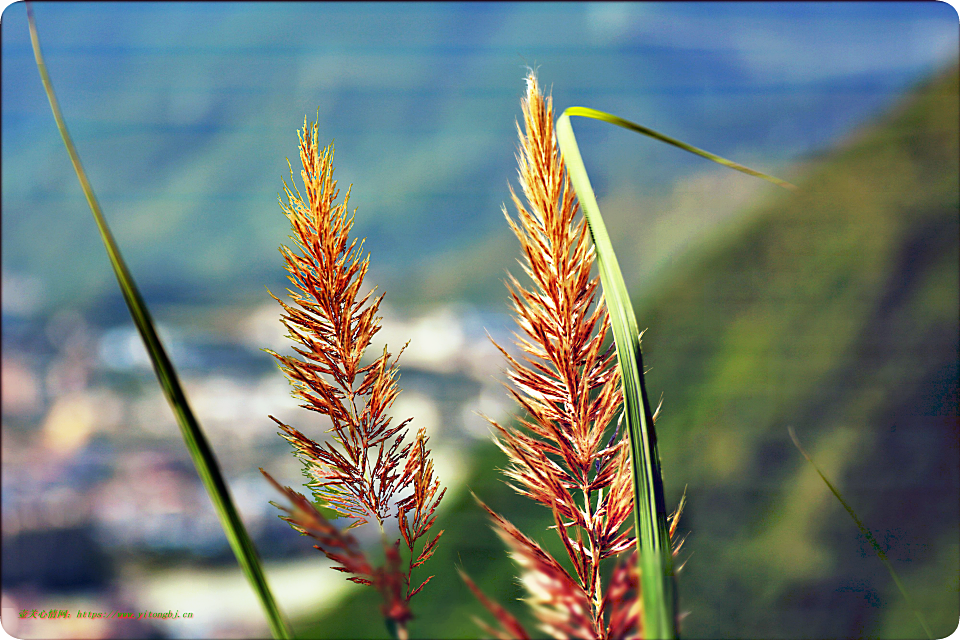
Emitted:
<point x="834" y="311"/>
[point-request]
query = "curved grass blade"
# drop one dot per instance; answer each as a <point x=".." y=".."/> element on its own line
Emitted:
<point x="659" y="600"/>
<point x="866" y="532"/>
<point x="196" y="442"/>
<point x="586" y="112"/>
<point x="658" y="587"/>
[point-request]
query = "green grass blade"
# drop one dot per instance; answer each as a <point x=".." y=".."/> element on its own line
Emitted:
<point x="869" y="536"/>
<point x="586" y="112"/>
<point x="656" y="559"/>
<point x="196" y="442"/>
<point x="658" y="587"/>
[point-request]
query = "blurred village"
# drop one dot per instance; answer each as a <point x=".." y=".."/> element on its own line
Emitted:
<point x="110" y="469"/>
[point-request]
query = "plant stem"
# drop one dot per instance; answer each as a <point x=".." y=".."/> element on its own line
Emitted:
<point x="397" y="630"/>
<point x="196" y="442"/>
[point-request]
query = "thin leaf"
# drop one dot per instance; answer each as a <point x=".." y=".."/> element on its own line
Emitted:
<point x="586" y="112"/>
<point x="866" y="532"/>
<point x="196" y="442"/>
<point x="658" y="586"/>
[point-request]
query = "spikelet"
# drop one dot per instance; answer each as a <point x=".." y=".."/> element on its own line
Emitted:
<point x="364" y="471"/>
<point x="566" y="453"/>
<point x="510" y="627"/>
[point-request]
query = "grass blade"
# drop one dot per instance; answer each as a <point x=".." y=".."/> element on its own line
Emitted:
<point x="196" y="442"/>
<point x="586" y="112"/>
<point x="659" y="605"/>
<point x="866" y="532"/>
<point x="656" y="560"/>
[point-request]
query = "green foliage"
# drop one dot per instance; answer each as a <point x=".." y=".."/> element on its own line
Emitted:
<point x="658" y="589"/>
<point x="196" y="442"/>
<point x="657" y="586"/>
<point x="833" y="308"/>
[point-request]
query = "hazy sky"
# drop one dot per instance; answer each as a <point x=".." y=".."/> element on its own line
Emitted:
<point x="184" y="114"/>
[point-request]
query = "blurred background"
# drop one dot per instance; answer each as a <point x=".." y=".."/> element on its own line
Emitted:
<point x="834" y="311"/>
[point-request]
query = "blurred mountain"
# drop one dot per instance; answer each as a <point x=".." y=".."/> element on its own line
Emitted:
<point x="834" y="311"/>
<point x="185" y="113"/>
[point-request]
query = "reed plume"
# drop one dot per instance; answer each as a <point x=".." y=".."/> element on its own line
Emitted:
<point x="365" y="471"/>
<point x="567" y="453"/>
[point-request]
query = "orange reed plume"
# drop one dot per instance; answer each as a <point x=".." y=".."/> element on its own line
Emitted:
<point x="566" y="454"/>
<point x="366" y="472"/>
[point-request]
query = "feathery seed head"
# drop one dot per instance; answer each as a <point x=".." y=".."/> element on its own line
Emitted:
<point x="365" y="471"/>
<point x="566" y="452"/>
